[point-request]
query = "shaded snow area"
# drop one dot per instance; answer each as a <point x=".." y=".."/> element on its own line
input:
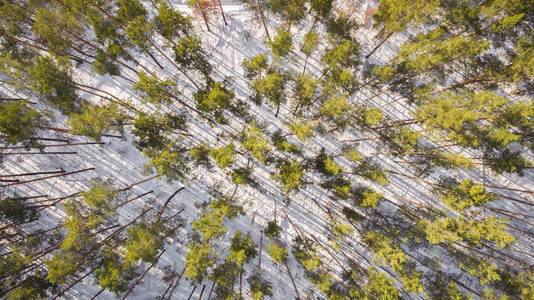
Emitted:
<point x="227" y="47"/>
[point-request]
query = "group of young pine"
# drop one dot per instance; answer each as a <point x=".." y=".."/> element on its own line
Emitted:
<point x="465" y="69"/>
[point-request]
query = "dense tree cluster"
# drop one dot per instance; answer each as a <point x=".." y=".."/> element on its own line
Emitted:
<point x="462" y="80"/>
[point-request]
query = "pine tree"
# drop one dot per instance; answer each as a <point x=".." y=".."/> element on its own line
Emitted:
<point x="256" y="142"/>
<point x="170" y="23"/>
<point x="224" y="156"/>
<point x="18" y="122"/>
<point x="215" y="99"/>
<point x="272" y="88"/>
<point x="94" y="121"/>
<point x="380" y="287"/>
<point x="282" y="44"/>
<point x="199" y="258"/>
<point x="301" y="129"/>
<point x="277" y="252"/>
<point x="155" y="91"/>
<point x="188" y="53"/>
<point x="291" y="175"/>
<point x="143" y="243"/>
<point x="52" y="80"/>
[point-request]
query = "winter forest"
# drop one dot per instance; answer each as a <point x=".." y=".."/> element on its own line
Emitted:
<point x="267" y="149"/>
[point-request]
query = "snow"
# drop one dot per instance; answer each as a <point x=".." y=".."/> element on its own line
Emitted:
<point x="228" y="46"/>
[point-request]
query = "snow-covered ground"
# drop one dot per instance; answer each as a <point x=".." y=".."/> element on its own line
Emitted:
<point x="228" y="46"/>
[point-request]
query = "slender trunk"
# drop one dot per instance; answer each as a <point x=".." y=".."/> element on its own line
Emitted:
<point x="76" y="281"/>
<point x="153" y="59"/>
<point x="277" y="110"/>
<point x="222" y="12"/>
<point x="259" y="256"/>
<point x="241" y="271"/>
<point x="166" y="203"/>
<point x="42" y="139"/>
<point x="379" y="44"/>
<point x="39" y="153"/>
<point x="57" y="145"/>
<point x="203" y="287"/>
<point x="98" y="294"/>
<point x="176" y="284"/>
<point x="260" y="11"/>
<point x="143" y="275"/>
<point x="116" y="232"/>
<point x="292" y="281"/>
<point x="130" y="200"/>
<point x="138" y="183"/>
<point x="191" y="294"/>
<point x="362" y="139"/>
<point x="48" y="177"/>
<point x="211" y="290"/>
<point x="204" y="17"/>
<point x="305" y="64"/>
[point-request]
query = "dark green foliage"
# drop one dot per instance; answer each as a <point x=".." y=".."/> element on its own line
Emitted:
<point x="18" y="122"/>
<point x="259" y="287"/>
<point x="214" y="100"/>
<point x="189" y="54"/>
<point x="53" y="81"/>
<point x="94" y="121"/>
<point x="152" y="130"/>
<point x="171" y="23"/>
<point x="15" y="210"/>
<point x="155" y="91"/>
<point x="272" y="88"/>
<point x="282" y="44"/>
<point x="291" y="175"/>
<point x="325" y="164"/>
<point x="254" y="66"/>
<point x="340" y="186"/>
<point x="273" y="230"/>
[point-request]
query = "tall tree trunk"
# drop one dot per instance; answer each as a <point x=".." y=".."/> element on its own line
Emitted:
<point x="40" y="153"/>
<point x="191" y="295"/>
<point x="292" y="280"/>
<point x="222" y="12"/>
<point x="203" y="286"/>
<point x="166" y="203"/>
<point x="57" y="145"/>
<point x="138" y="183"/>
<point x="142" y="276"/>
<point x="379" y="44"/>
<point x="176" y="284"/>
<point x="48" y="177"/>
<point x="260" y="11"/>
<point x="204" y="17"/>
<point x="241" y="271"/>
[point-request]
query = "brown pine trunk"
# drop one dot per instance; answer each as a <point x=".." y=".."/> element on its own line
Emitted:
<point x="292" y="281"/>
<point x="191" y="295"/>
<point x="379" y="44"/>
<point x="38" y="153"/>
<point x="202" y="292"/>
<point x="166" y="203"/>
<point x="48" y="177"/>
<point x="138" y="183"/>
<point x="259" y="256"/>
<point x="260" y="11"/>
<point x="42" y="139"/>
<point x="204" y="17"/>
<point x="130" y="200"/>
<point x="142" y="276"/>
<point x="241" y="271"/>
<point x="222" y="12"/>
<point x="57" y="145"/>
<point x="176" y="284"/>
